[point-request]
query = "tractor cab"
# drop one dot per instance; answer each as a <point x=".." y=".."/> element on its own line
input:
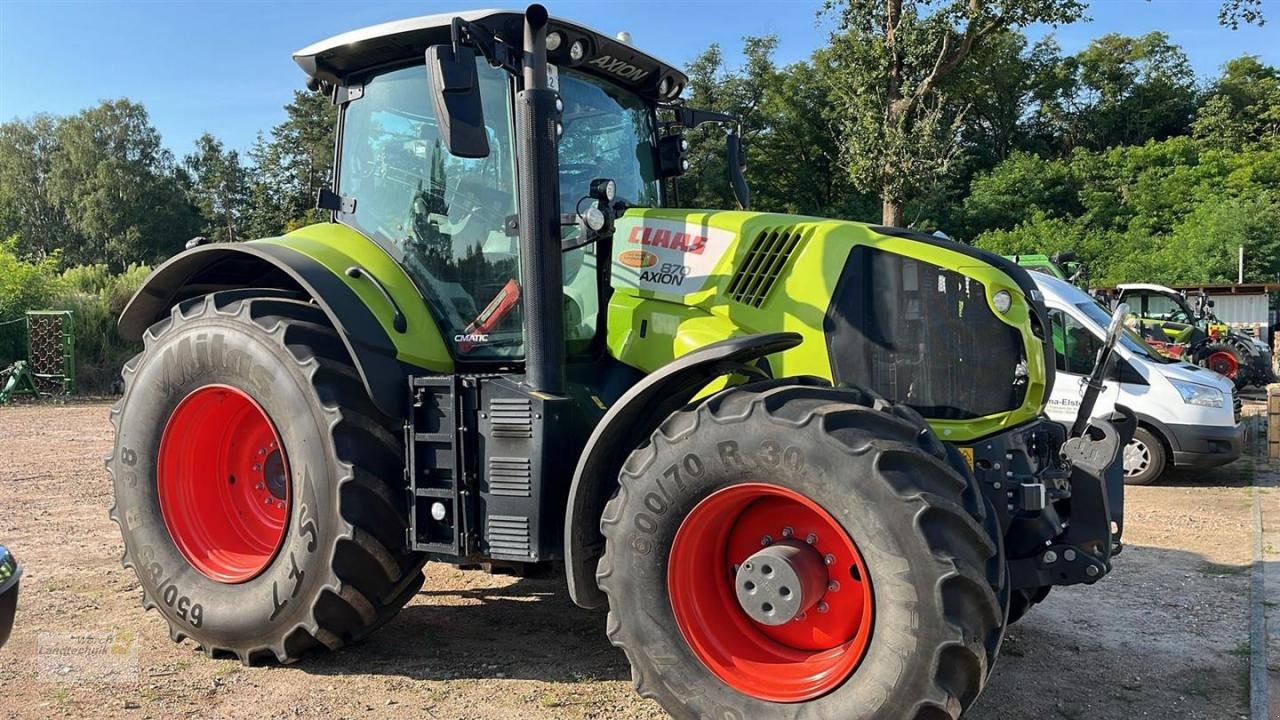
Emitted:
<point x="427" y="160"/>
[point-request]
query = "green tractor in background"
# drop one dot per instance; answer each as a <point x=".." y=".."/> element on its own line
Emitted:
<point x="1171" y="325"/>
<point x="802" y="461"/>
<point x="1062" y="265"/>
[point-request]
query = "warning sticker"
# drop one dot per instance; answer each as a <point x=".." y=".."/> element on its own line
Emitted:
<point x="667" y="256"/>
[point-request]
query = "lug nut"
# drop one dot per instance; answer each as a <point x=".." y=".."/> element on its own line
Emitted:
<point x="766" y="541"/>
<point x="1050" y="557"/>
<point x="812" y="538"/>
<point x="787" y="532"/>
<point x="257" y="467"/>
<point x="801" y="617"/>
<point x="1091" y="571"/>
<point x="833" y="586"/>
<point x="829" y="559"/>
<point x="821" y="607"/>
<point x="266" y="501"/>
<point x="1069" y="555"/>
<point x="260" y="486"/>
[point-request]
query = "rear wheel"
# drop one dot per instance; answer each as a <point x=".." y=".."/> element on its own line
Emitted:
<point x="1144" y="458"/>
<point x="785" y="549"/>
<point x="1225" y="360"/>
<point x="253" y="482"/>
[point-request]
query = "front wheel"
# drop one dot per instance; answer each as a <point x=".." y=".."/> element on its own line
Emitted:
<point x="254" y="482"/>
<point x="787" y="550"/>
<point x="1144" y="458"/>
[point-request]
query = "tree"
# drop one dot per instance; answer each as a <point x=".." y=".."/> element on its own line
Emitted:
<point x="220" y="187"/>
<point x="737" y="91"/>
<point x="1242" y="106"/>
<point x="27" y="214"/>
<point x="118" y="187"/>
<point x="893" y="65"/>
<point x="290" y="165"/>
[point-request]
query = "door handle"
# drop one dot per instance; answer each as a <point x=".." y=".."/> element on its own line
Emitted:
<point x="397" y="319"/>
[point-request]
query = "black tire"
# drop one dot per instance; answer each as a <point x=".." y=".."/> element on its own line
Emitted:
<point x="1243" y="369"/>
<point x="1145" y="458"/>
<point x="938" y="576"/>
<point x="342" y="569"/>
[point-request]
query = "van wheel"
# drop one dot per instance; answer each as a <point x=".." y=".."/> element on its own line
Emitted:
<point x="1144" y="458"/>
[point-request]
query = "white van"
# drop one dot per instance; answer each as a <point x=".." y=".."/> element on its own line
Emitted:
<point x="1188" y="416"/>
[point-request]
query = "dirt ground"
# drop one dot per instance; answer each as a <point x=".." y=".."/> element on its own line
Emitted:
<point x="1167" y="635"/>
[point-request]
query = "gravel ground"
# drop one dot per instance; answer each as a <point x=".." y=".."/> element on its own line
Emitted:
<point x="1166" y="635"/>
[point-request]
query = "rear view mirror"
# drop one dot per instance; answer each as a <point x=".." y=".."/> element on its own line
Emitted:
<point x="455" y="94"/>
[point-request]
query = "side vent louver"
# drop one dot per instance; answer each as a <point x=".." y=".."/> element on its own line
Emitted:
<point x="764" y="262"/>
<point x="511" y="418"/>
<point x="509" y="536"/>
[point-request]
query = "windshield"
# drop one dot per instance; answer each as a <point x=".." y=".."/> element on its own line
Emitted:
<point x="1128" y="338"/>
<point x="444" y="218"/>
<point x="608" y="133"/>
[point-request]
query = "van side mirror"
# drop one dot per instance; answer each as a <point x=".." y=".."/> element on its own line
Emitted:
<point x="455" y="94"/>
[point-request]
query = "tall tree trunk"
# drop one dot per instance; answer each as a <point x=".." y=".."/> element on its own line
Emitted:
<point x="891" y="213"/>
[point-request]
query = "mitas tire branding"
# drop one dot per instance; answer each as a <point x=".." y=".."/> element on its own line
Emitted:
<point x="667" y="256"/>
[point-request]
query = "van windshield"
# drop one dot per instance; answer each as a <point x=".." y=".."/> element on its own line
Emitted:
<point x="1128" y="338"/>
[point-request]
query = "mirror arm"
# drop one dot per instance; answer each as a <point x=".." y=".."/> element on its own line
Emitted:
<point x="498" y="53"/>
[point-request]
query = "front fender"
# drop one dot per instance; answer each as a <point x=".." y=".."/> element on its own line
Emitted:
<point x="630" y="421"/>
<point x="224" y="266"/>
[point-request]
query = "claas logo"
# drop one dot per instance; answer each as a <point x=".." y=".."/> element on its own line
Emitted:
<point x="663" y="238"/>
<point x="638" y="258"/>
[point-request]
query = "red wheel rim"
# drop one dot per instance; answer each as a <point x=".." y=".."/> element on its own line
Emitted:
<point x="1223" y="363"/>
<point x="222" y="478"/>
<point x="800" y="660"/>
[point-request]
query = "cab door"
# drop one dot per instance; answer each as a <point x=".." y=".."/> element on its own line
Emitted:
<point x="1075" y="349"/>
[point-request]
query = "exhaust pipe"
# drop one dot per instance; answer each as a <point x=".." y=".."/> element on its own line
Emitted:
<point x="537" y="157"/>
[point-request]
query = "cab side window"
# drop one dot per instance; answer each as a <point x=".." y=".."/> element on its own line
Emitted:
<point x="1075" y="347"/>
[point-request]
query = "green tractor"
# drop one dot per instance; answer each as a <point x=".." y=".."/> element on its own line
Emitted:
<point x="1062" y="265"/>
<point x="1195" y="334"/>
<point x="801" y="461"/>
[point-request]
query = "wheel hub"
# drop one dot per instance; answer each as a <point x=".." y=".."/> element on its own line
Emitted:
<point x="222" y="481"/>
<point x="781" y="582"/>
<point x="736" y="552"/>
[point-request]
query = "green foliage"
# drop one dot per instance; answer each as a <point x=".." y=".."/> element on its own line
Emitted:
<point x="219" y="188"/>
<point x="1173" y="212"/>
<point x="93" y="293"/>
<point x="23" y="286"/>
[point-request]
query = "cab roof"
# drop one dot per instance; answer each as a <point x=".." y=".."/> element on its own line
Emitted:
<point x="1147" y="286"/>
<point x="351" y="53"/>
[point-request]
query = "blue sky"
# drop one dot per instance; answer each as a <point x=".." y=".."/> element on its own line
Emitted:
<point x="225" y="67"/>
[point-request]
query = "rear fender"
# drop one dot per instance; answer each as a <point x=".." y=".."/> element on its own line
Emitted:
<point x="630" y="421"/>
<point x="227" y="266"/>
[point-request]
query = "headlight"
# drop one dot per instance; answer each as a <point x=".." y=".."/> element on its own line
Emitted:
<point x="1002" y="300"/>
<point x="1202" y="395"/>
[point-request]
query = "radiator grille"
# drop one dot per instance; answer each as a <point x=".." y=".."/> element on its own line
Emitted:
<point x="763" y="265"/>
